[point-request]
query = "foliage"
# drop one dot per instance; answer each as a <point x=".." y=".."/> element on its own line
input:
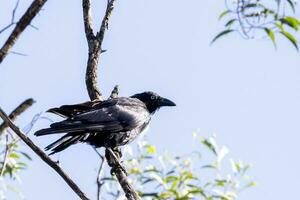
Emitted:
<point x="255" y="18"/>
<point x="11" y="163"/>
<point x="189" y="176"/>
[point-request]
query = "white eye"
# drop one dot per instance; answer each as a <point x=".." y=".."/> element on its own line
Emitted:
<point x="152" y="97"/>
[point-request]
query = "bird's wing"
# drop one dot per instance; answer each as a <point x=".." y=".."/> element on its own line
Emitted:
<point x="124" y="114"/>
<point x="118" y="115"/>
<point x="71" y="110"/>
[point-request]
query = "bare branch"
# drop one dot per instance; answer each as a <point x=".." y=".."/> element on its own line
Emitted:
<point x="16" y="112"/>
<point x="105" y="20"/>
<point x="95" y="46"/>
<point x="99" y="180"/>
<point x="114" y="92"/>
<point x="43" y="156"/>
<point x="12" y="18"/>
<point x="94" y="53"/>
<point x="25" y="20"/>
<point x="6" y="27"/>
<point x="14" y="11"/>
<point x="114" y="163"/>
<point x="95" y="49"/>
<point x="87" y="19"/>
<point x="6" y="153"/>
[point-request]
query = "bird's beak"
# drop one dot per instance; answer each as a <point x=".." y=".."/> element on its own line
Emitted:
<point x="166" y="102"/>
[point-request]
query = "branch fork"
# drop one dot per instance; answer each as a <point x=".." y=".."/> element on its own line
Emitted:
<point x="95" y="47"/>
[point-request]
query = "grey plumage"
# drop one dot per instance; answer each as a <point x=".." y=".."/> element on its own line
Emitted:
<point x="110" y="123"/>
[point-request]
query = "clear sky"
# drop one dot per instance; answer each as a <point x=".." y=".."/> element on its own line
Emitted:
<point x="245" y="92"/>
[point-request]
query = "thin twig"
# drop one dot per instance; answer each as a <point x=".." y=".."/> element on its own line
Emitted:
<point x="25" y="20"/>
<point x="6" y="27"/>
<point x="16" y="112"/>
<point x="99" y="180"/>
<point x="43" y="156"/>
<point x="14" y="11"/>
<point x="6" y="153"/>
<point x="114" y="92"/>
<point x="105" y="20"/>
<point x="12" y="22"/>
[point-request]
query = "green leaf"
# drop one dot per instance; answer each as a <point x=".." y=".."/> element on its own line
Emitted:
<point x="252" y="5"/>
<point x="211" y="144"/>
<point x="135" y="170"/>
<point x="223" y="14"/>
<point x="151" y="169"/>
<point x="225" y="32"/>
<point x="26" y="155"/>
<point x="250" y="184"/>
<point x="14" y="155"/>
<point x="212" y="166"/>
<point x="170" y="179"/>
<point x="291" y="22"/>
<point x="151" y="149"/>
<point x="291" y="38"/>
<point x="158" y="179"/>
<point x="230" y="22"/>
<point x="194" y="192"/>
<point x="279" y="26"/>
<point x="165" y="195"/>
<point x="220" y="183"/>
<point x="271" y="35"/>
<point x="148" y="180"/>
<point x="222" y="153"/>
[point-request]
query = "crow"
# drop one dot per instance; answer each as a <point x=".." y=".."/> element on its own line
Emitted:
<point x="110" y="123"/>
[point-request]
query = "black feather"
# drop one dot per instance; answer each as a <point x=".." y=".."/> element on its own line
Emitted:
<point x="109" y="123"/>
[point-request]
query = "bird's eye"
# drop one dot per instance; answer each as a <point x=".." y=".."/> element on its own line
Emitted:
<point x="152" y="97"/>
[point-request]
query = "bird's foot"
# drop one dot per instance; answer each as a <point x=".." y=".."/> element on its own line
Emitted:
<point x="113" y="158"/>
<point x="118" y="152"/>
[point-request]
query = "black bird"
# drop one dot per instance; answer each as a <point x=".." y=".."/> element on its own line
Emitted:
<point x="110" y="123"/>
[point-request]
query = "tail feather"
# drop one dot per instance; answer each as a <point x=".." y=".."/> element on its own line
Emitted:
<point x="73" y="126"/>
<point x="58" y="142"/>
<point x="48" y="131"/>
<point x="63" y="143"/>
<point x="65" y="123"/>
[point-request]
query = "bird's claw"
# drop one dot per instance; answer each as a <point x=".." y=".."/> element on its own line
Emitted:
<point x="118" y="152"/>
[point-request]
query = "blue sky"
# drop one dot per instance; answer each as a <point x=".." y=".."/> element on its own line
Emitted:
<point x="245" y="92"/>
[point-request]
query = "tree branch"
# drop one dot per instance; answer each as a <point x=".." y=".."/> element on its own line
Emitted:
<point x="94" y="53"/>
<point x="99" y="181"/>
<point x="42" y="155"/>
<point x="12" y="18"/>
<point x="94" y="46"/>
<point x="25" y="20"/>
<point x="105" y="20"/>
<point x="95" y="49"/>
<point x="114" y="163"/>
<point x="16" y="112"/>
<point x="114" y="92"/>
<point x="87" y="19"/>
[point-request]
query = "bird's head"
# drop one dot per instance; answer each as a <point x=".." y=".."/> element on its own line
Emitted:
<point x="153" y="101"/>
